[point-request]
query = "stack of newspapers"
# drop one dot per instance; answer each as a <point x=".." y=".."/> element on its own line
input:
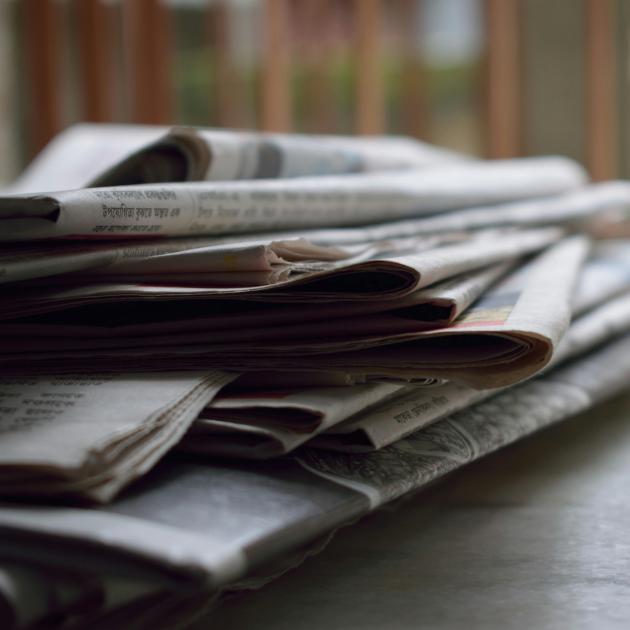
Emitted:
<point x="218" y="347"/>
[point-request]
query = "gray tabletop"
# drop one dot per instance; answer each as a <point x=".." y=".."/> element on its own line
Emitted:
<point x="535" y="536"/>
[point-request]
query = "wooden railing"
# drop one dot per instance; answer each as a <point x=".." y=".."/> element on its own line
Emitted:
<point x="123" y="53"/>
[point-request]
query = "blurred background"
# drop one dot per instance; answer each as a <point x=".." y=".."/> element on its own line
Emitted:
<point x="496" y="78"/>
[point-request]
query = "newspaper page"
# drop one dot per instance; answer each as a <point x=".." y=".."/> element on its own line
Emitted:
<point x="79" y="154"/>
<point x="208" y="524"/>
<point x="606" y="274"/>
<point x="266" y="423"/>
<point x="600" y="305"/>
<point x="193" y="209"/>
<point x="495" y="346"/>
<point x="177" y="256"/>
<point x="269" y="423"/>
<point x="40" y="259"/>
<point x="106" y="154"/>
<point x="388" y="271"/>
<point x="90" y="436"/>
<point x="411" y="408"/>
<point x="417" y="407"/>
<point x="474" y="432"/>
<point x="434" y="307"/>
<point x="505" y="337"/>
<point x="197" y="524"/>
<point x="574" y="208"/>
<point x="189" y="153"/>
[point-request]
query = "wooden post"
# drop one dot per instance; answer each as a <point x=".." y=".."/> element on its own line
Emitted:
<point x="414" y="103"/>
<point x="95" y="41"/>
<point x="41" y="42"/>
<point x="8" y="73"/>
<point x="276" y="109"/>
<point x="149" y="55"/>
<point x="503" y="87"/>
<point x="228" y="95"/>
<point x="316" y="30"/>
<point x="314" y="19"/>
<point x="600" y="85"/>
<point x="370" y="101"/>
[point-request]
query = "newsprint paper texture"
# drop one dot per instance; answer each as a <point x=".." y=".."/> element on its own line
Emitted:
<point x="193" y="209"/>
<point x="208" y="524"/>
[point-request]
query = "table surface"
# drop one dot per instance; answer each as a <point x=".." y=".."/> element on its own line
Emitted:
<point x="535" y="536"/>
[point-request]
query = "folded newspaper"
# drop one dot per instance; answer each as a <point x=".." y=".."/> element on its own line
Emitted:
<point x="437" y="305"/>
<point x="239" y="423"/>
<point x="191" y="209"/>
<point x="112" y="154"/>
<point x="91" y="435"/>
<point x="377" y="311"/>
<point x="257" y="252"/>
<point x="270" y="422"/>
<point x="504" y="339"/>
<point x="194" y="154"/>
<point x="386" y="270"/>
<point x="201" y="526"/>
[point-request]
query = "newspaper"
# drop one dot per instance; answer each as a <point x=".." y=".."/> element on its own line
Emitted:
<point x="250" y="430"/>
<point x="606" y="274"/>
<point x="386" y="270"/>
<point x="481" y="429"/>
<point x="40" y="259"/>
<point x="282" y="421"/>
<point x="188" y="153"/>
<point x="91" y="154"/>
<point x="433" y="307"/>
<point x="508" y="335"/>
<point x="505" y="337"/>
<point x="193" y="209"/>
<point x="184" y="256"/>
<point x="576" y="208"/>
<point x="270" y="423"/>
<point x="415" y="408"/>
<point x="90" y="436"/>
<point x="206" y="525"/>
<point x="80" y="153"/>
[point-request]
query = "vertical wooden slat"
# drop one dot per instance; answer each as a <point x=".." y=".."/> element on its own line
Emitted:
<point x="148" y="35"/>
<point x="622" y="82"/>
<point x="95" y="41"/>
<point x="600" y="86"/>
<point x="228" y="95"/>
<point x="370" y="99"/>
<point x="320" y="103"/>
<point x="41" y="40"/>
<point x="503" y="87"/>
<point x="414" y="103"/>
<point x="276" y="110"/>
<point x="8" y="163"/>
<point x="553" y="70"/>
